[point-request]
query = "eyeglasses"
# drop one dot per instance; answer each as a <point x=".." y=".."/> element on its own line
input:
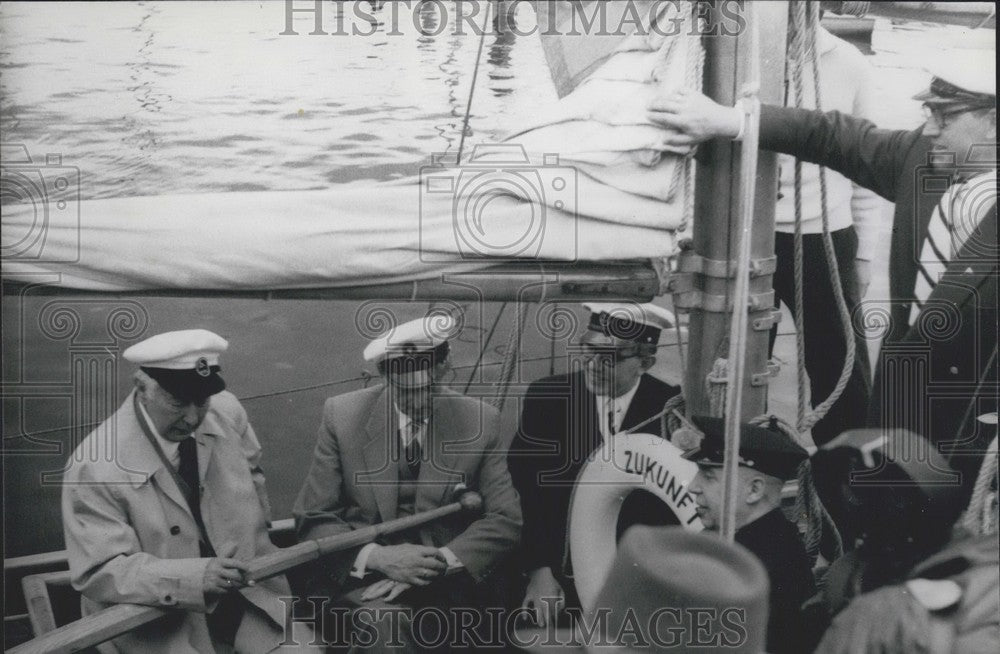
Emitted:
<point x="607" y="354"/>
<point x="939" y="114"/>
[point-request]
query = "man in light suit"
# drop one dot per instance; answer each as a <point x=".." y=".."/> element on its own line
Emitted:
<point x="173" y="513"/>
<point x="400" y="449"/>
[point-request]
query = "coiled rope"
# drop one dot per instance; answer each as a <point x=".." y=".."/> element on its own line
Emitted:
<point x="802" y="51"/>
<point x="808" y="507"/>
<point x="981" y="517"/>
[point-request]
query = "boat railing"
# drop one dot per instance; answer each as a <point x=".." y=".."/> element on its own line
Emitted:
<point x="31" y="579"/>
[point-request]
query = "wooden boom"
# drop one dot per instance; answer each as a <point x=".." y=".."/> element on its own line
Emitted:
<point x="120" y="618"/>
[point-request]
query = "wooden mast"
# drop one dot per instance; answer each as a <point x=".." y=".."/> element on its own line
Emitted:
<point x="706" y="283"/>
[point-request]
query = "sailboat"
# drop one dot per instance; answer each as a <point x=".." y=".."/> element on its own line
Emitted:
<point x="457" y="268"/>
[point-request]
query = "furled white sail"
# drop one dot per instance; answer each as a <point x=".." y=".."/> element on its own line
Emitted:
<point x="586" y="179"/>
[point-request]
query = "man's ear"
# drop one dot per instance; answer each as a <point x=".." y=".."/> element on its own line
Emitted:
<point x="140" y="380"/>
<point x="143" y="383"/>
<point x="441" y="370"/>
<point x="648" y="362"/>
<point x="755" y="489"/>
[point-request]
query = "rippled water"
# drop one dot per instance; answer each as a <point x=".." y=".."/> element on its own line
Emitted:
<point x="155" y="98"/>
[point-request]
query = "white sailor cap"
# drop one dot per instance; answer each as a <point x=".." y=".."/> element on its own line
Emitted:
<point x="962" y="76"/>
<point x="639" y="323"/>
<point x="407" y="353"/>
<point x="185" y="363"/>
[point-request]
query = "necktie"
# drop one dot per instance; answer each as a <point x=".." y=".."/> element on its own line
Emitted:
<point x="413" y="451"/>
<point x="611" y="417"/>
<point x="187" y="470"/>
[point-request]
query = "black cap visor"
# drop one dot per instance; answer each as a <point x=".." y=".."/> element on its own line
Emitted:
<point x="188" y="385"/>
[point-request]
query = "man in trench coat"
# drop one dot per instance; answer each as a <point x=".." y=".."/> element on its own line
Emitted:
<point x="170" y="515"/>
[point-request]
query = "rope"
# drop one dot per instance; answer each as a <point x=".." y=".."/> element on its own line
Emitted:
<point x="695" y="53"/>
<point x="856" y="9"/>
<point x="482" y="350"/>
<point x="673" y="404"/>
<point x="741" y="293"/>
<point x="808" y="507"/>
<point x="717" y="387"/>
<point x="803" y="48"/>
<point x="795" y="55"/>
<point x="472" y="89"/>
<point x="509" y="360"/>
<point x="979" y="389"/>
<point x="981" y="517"/>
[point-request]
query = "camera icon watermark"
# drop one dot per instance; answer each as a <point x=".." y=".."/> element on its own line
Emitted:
<point x="38" y="197"/>
<point x="498" y="205"/>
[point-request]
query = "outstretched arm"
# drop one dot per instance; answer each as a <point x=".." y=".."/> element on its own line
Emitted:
<point x="871" y="157"/>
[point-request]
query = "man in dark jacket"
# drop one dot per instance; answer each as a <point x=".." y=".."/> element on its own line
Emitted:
<point x="917" y="582"/>
<point x="768" y="458"/>
<point x="566" y="417"/>
<point x="938" y="361"/>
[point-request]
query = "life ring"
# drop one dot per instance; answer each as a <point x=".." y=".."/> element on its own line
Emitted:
<point x="626" y="462"/>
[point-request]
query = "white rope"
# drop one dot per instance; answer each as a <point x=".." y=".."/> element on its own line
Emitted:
<point x="981" y="517"/>
<point x="736" y="372"/>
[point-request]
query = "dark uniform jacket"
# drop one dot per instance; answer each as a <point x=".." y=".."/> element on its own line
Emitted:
<point x="559" y="428"/>
<point x="776" y="542"/>
<point x="968" y="624"/>
<point x="935" y="376"/>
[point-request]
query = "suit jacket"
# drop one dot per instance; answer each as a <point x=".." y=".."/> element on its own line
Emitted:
<point x="935" y="376"/>
<point x="777" y="544"/>
<point x="131" y="537"/>
<point x="353" y="480"/>
<point x="559" y="429"/>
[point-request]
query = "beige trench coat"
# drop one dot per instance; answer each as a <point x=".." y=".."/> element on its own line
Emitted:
<point x="132" y="538"/>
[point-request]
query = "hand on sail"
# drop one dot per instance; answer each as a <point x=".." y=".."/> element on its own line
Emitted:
<point x="693" y="117"/>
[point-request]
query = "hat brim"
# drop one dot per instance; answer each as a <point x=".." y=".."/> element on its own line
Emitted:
<point x="928" y="96"/>
<point x="702" y="457"/>
<point x="187" y="385"/>
<point x="411" y="379"/>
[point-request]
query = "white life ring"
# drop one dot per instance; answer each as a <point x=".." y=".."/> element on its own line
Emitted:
<point x="624" y="463"/>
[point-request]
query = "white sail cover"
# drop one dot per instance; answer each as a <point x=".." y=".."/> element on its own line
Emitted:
<point x="588" y="179"/>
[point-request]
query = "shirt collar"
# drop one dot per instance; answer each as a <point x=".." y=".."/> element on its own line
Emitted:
<point x="622" y="402"/>
<point x="406" y="428"/>
<point x="170" y="448"/>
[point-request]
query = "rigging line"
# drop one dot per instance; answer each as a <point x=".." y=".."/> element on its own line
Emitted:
<point x="472" y="89"/>
<point x="798" y="51"/>
<point x="738" y="333"/>
<point x="262" y="396"/>
<point x="972" y="404"/>
<point x="850" y="343"/>
<point x="289" y="391"/>
<point x="482" y="350"/>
